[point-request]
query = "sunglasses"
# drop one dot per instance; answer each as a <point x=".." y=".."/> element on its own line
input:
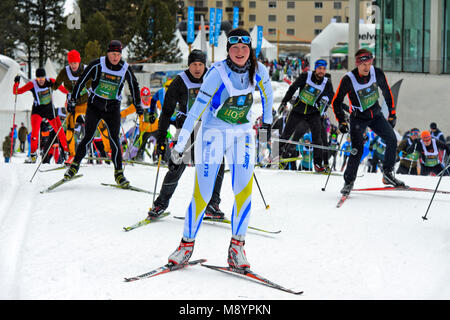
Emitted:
<point x="414" y="133"/>
<point x="241" y="39"/>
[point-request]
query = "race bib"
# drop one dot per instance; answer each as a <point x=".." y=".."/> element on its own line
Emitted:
<point x="235" y="109"/>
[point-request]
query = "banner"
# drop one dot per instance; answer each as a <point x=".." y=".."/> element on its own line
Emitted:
<point x="218" y="23"/>
<point x="235" y="17"/>
<point x="212" y="12"/>
<point x="190" y="25"/>
<point x="259" y="40"/>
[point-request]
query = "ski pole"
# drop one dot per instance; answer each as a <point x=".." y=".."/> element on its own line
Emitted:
<point x="14" y="123"/>
<point x="353" y="151"/>
<point x="410" y="165"/>
<point x="260" y="192"/>
<point x="429" y="205"/>
<point x="48" y="149"/>
<point x="156" y="180"/>
<point x="329" y="174"/>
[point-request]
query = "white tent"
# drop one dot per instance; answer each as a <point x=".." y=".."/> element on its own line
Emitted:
<point x="334" y="33"/>
<point x="8" y="71"/>
<point x="269" y="50"/>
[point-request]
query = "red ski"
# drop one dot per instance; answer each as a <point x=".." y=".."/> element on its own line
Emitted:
<point x="406" y="188"/>
<point x="164" y="269"/>
<point x="249" y="274"/>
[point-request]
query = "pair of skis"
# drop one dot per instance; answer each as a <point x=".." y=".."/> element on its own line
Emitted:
<point x="405" y="188"/>
<point x="244" y="273"/>
<point x="64" y="180"/>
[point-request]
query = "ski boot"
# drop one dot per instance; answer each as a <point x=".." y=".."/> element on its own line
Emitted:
<point x="345" y="191"/>
<point x="155" y="212"/>
<point x="183" y="252"/>
<point x="389" y="179"/>
<point x="73" y="169"/>
<point x="319" y="168"/>
<point x="69" y="160"/>
<point x="213" y="212"/>
<point x="236" y="253"/>
<point x="31" y="159"/>
<point x="120" y="178"/>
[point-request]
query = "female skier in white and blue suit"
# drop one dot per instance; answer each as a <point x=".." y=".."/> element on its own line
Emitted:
<point x="224" y="104"/>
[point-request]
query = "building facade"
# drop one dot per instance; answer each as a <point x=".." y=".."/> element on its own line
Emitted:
<point x="290" y="22"/>
<point x="413" y="36"/>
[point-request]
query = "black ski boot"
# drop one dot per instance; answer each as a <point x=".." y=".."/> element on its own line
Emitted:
<point x="120" y="178"/>
<point x="213" y="212"/>
<point x="345" y="191"/>
<point x="155" y="212"/>
<point x="389" y="179"/>
<point x="72" y="171"/>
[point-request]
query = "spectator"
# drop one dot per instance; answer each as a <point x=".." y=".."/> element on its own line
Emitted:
<point x="23" y="132"/>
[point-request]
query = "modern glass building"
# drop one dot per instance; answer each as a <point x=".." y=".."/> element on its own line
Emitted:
<point x="404" y="35"/>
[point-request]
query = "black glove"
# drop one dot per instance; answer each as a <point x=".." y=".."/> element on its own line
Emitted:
<point x="179" y="121"/>
<point x="267" y="127"/>
<point x="343" y="127"/>
<point x="16" y="79"/>
<point x="282" y="107"/>
<point x="152" y="117"/>
<point x="71" y="104"/>
<point x="160" y="148"/>
<point x="392" y="119"/>
<point x="175" y="160"/>
<point x="139" y="110"/>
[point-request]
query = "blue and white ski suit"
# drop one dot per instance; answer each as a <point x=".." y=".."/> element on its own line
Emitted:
<point x="224" y="105"/>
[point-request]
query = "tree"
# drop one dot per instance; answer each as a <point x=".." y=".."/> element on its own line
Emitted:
<point x="98" y="28"/>
<point x="155" y="32"/>
<point x="92" y="51"/>
<point x="8" y="27"/>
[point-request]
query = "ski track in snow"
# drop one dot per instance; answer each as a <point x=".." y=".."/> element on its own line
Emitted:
<point x="16" y="208"/>
<point x="375" y="247"/>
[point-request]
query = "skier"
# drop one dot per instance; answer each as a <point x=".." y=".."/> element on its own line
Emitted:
<point x="333" y="143"/>
<point x="378" y="147"/>
<point x="315" y="91"/>
<point x="436" y="133"/>
<point x="408" y="161"/>
<point x="68" y="76"/>
<point x="182" y="91"/>
<point x="41" y="88"/>
<point x="346" y="147"/>
<point x="429" y="148"/>
<point x="148" y="121"/>
<point x="108" y="74"/>
<point x="224" y="103"/>
<point x="361" y="85"/>
<point x="307" y="154"/>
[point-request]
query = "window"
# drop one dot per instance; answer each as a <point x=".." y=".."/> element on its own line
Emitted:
<point x="272" y="31"/>
<point x="198" y="4"/>
<point x="290" y="4"/>
<point x="290" y="18"/>
<point x="252" y="4"/>
<point x="252" y="17"/>
<point x="272" y="4"/>
<point x="272" y="18"/>
<point x="317" y="19"/>
<point x="337" y="19"/>
<point x="317" y="31"/>
<point x="318" y="5"/>
<point x="219" y="4"/>
<point x="290" y="32"/>
<point x="337" y="5"/>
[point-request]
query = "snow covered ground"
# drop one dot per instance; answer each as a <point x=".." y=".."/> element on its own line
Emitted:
<point x="69" y="244"/>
